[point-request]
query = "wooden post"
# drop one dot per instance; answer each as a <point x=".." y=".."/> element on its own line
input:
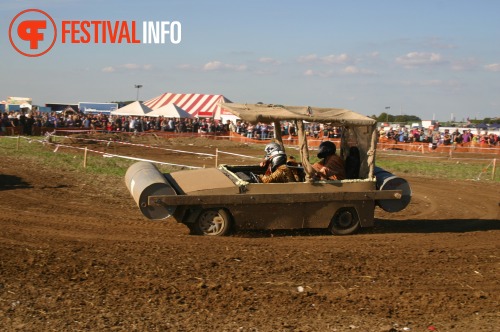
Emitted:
<point x="17" y="144"/>
<point x="277" y="134"/>
<point x="85" y="158"/>
<point x="494" y="168"/>
<point x="216" y="157"/>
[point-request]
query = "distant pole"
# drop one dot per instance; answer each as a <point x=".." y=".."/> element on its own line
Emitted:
<point x="85" y="158"/>
<point x="137" y="86"/>
<point x="494" y="168"/>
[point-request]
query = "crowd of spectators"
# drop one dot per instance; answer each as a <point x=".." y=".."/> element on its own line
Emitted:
<point x="103" y="122"/>
<point x="438" y="137"/>
<point x="113" y="123"/>
<point x="26" y="121"/>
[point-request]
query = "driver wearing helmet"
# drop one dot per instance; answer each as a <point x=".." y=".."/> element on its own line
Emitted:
<point x="331" y="166"/>
<point x="275" y="161"/>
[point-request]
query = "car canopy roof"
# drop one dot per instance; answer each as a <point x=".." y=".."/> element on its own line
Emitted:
<point x="269" y="113"/>
<point x="358" y="130"/>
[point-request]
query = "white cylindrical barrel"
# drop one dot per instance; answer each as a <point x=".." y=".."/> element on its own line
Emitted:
<point x="143" y="179"/>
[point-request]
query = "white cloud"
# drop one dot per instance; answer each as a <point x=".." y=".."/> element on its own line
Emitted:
<point x="319" y="73"/>
<point x="218" y="66"/>
<point x="108" y="69"/>
<point x="493" y="67"/>
<point x="328" y="59"/>
<point x="309" y="72"/>
<point x="353" y="70"/>
<point x="335" y="59"/>
<point x="126" y="67"/>
<point x="349" y="70"/>
<point x="269" y="61"/>
<point x="130" y="66"/>
<point x="416" y="59"/>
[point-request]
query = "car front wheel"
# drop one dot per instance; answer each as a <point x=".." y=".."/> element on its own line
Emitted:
<point x="212" y="222"/>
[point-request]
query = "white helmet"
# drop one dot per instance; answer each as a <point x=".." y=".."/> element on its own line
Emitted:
<point x="275" y="153"/>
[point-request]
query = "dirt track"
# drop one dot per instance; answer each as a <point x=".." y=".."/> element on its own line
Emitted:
<point x="76" y="254"/>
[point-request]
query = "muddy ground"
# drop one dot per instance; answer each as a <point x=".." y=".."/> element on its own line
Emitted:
<point x="77" y="255"/>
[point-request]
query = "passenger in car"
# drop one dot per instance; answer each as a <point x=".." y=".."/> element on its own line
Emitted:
<point x="275" y="164"/>
<point x="352" y="163"/>
<point x="331" y="166"/>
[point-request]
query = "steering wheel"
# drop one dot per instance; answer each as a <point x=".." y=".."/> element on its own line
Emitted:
<point x="254" y="177"/>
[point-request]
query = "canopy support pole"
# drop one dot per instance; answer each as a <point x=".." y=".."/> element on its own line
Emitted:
<point x="304" y="151"/>
<point x="277" y="134"/>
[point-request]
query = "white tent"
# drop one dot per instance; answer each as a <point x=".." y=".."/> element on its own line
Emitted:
<point x="25" y="105"/>
<point x="136" y="109"/>
<point x="170" y="111"/>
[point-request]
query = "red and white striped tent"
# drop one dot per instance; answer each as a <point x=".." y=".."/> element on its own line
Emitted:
<point x="196" y="104"/>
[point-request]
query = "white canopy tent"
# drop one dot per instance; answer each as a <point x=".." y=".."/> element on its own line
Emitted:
<point x="25" y="105"/>
<point x="170" y="111"/>
<point x="134" y="109"/>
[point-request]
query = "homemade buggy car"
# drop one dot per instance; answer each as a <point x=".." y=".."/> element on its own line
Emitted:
<point x="212" y="201"/>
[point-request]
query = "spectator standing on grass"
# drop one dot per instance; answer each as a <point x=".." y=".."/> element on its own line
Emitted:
<point x="28" y="125"/>
<point x="263" y="131"/>
<point x="86" y="122"/>
<point x="436" y="139"/>
<point x="164" y="124"/>
<point x="292" y="130"/>
<point x="182" y="126"/>
<point x="126" y="124"/>
<point x="78" y="121"/>
<point x="422" y="135"/>
<point x="250" y="129"/>
<point x="119" y="123"/>
<point x="131" y="124"/>
<point x="22" y="122"/>
<point x="456" y="137"/>
<point x="5" y="122"/>
<point x="211" y="126"/>
<point x="466" y="136"/>
<point x="194" y="126"/>
<point x="446" y="137"/>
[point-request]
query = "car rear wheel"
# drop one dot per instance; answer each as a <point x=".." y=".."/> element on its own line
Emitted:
<point x="212" y="222"/>
<point x="344" y="222"/>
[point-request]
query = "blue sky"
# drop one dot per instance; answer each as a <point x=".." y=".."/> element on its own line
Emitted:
<point x="434" y="59"/>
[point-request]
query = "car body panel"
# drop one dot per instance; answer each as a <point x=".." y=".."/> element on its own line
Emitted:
<point x="269" y="205"/>
<point x="207" y="197"/>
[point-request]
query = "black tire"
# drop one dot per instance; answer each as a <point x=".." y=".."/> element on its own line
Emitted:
<point x="212" y="222"/>
<point x="344" y="222"/>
